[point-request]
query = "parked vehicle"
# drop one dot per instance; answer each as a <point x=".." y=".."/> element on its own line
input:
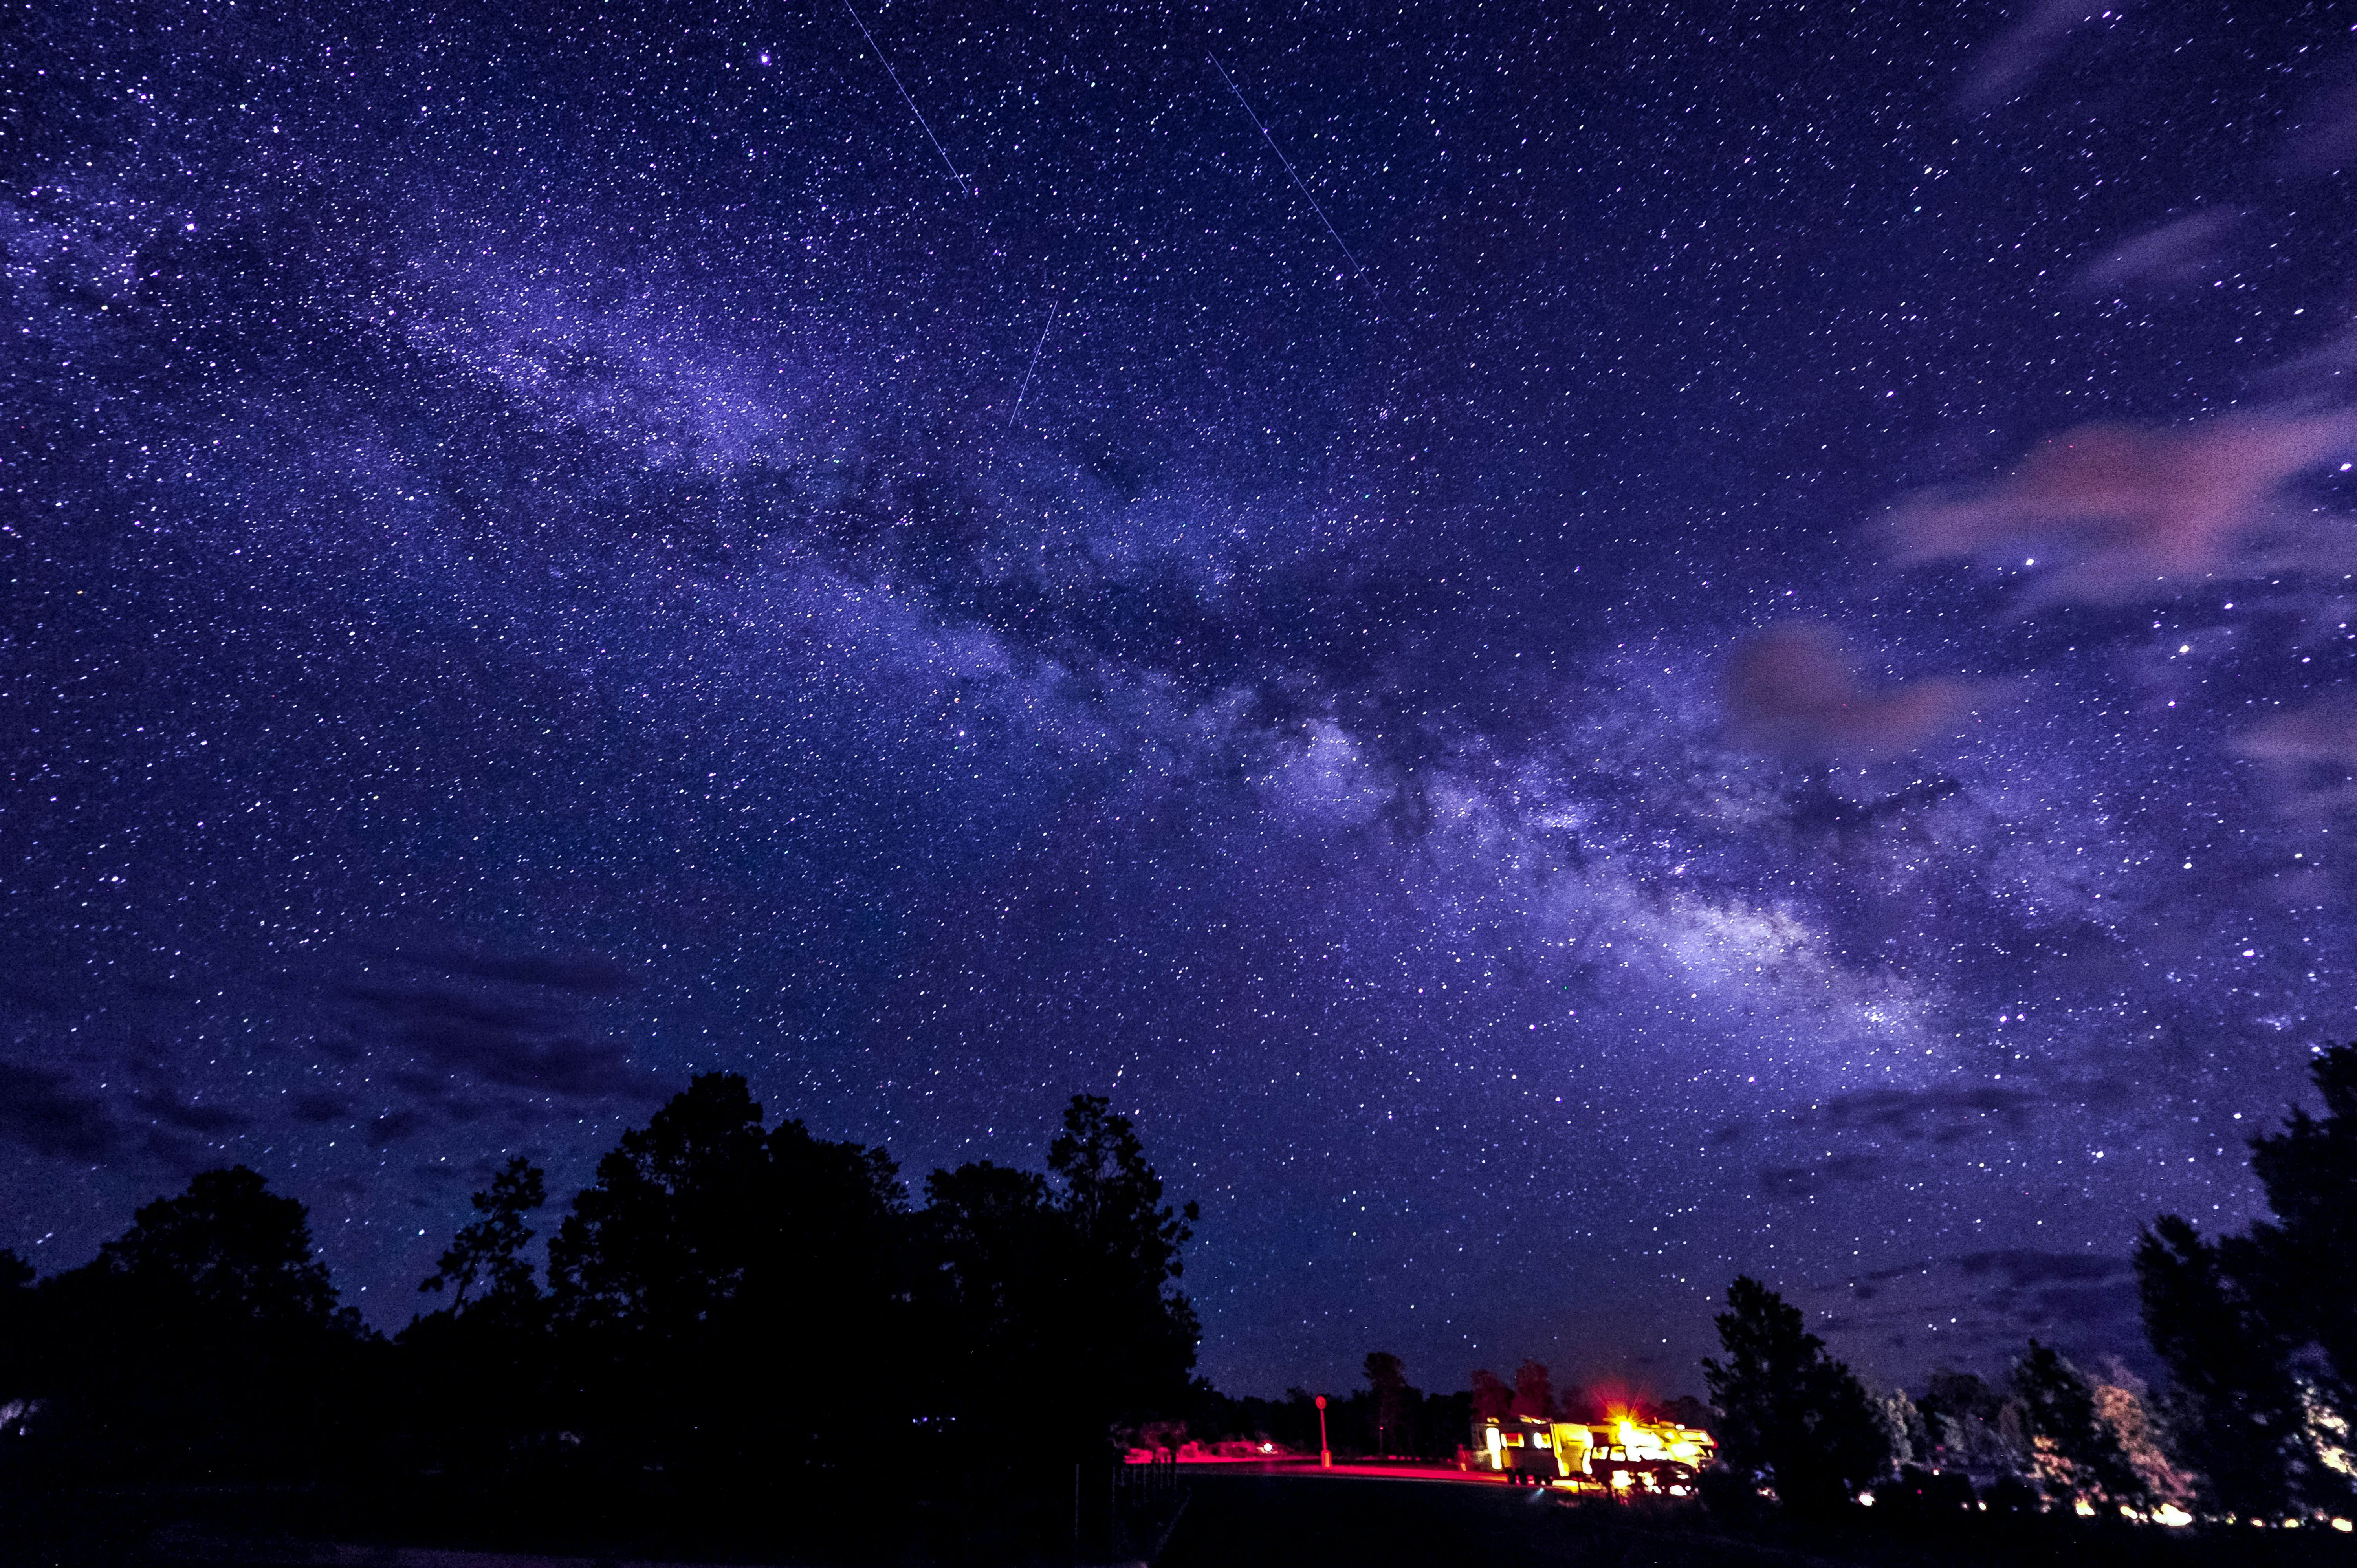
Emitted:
<point x="1621" y="1455"/>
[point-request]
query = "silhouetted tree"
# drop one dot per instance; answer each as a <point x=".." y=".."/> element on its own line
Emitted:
<point x="1387" y="1381"/>
<point x="1965" y="1420"/>
<point x="1493" y="1400"/>
<point x="1058" y="1292"/>
<point x="2308" y="1253"/>
<point x="662" y="1239"/>
<point x="479" y="1370"/>
<point x="997" y="1278"/>
<point x="1443" y="1424"/>
<point x="490" y="1250"/>
<point x="1533" y="1391"/>
<point x="204" y="1341"/>
<point x="1140" y="1337"/>
<point x="734" y="1294"/>
<point x="2256" y="1328"/>
<point x="1786" y="1407"/>
<point x="1688" y="1411"/>
<point x="231" y="1249"/>
<point x="2233" y="1406"/>
<point x="2077" y="1454"/>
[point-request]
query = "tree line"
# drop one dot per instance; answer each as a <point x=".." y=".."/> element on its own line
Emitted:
<point x="2257" y="1330"/>
<point x="730" y="1308"/>
<point x="733" y="1310"/>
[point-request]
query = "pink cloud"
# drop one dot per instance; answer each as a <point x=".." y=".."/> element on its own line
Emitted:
<point x="2111" y="512"/>
<point x="2312" y="754"/>
<point x="1791" y="689"/>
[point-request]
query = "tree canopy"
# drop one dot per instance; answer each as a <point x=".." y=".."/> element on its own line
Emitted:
<point x="1787" y="1408"/>
<point x="2259" y="1329"/>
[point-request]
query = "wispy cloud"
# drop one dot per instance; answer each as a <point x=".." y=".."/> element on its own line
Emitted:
<point x="2012" y="60"/>
<point x="43" y="1111"/>
<point x="2176" y="255"/>
<point x="2324" y="138"/>
<point x="2111" y="512"/>
<point x="2311" y="754"/>
<point x="1791" y="691"/>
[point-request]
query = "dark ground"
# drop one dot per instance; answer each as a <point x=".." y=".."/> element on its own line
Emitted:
<point x="1230" y="1520"/>
<point x="1293" y="1520"/>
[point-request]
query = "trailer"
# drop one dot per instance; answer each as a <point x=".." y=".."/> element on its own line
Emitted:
<point x="1621" y="1455"/>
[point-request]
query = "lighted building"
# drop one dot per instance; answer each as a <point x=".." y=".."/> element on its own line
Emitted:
<point x="1621" y="1455"/>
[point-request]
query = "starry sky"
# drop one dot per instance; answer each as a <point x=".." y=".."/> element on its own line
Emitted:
<point x="1573" y="648"/>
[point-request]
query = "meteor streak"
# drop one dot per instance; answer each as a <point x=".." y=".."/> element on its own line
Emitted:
<point x="1031" y="367"/>
<point x="965" y="183"/>
<point x="1273" y="147"/>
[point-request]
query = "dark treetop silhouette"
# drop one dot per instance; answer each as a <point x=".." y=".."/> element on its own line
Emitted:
<point x="1786" y="1407"/>
<point x="745" y="1310"/>
<point x="2255" y="1326"/>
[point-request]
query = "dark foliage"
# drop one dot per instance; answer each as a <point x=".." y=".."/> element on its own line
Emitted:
<point x="1493" y="1400"/>
<point x="2234" y="1407"/>
<point x="1787" y="1408"/>
<point x="1387" y="1418"/>
<point x="204" y="1343"/>
<point x="1929" y="1495"/>
<point x="1388" y="1388"/>
<point x="1534" y="1391"/>
<point x="489" y="1251"/>
<point x="727" y="1296"/>
<point x="740" y="1324"/>
<point x="1053" y="1297"/>
<point x="1687" y="1411"/>
<point x="2308" y="1254"/>
<point x="2080" y="1459"/>
<point x="2244" y="1322"/>
<point x="488" y="1353"/>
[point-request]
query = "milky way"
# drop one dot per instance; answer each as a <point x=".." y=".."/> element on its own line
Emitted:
<point x="1698" y="644"/>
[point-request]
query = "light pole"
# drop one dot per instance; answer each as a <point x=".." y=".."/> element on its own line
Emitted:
<point x="1325" y="1454"/>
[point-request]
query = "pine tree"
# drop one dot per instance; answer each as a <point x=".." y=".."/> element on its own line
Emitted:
<point x="2259" y="1330"/>
<point x="1787" y="1408"/>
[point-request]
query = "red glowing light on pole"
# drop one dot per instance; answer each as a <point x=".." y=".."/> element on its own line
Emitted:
<point x="1325" y="1454"/>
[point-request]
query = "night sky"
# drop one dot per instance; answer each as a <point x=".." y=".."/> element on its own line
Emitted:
<point x="1574" y="649"/>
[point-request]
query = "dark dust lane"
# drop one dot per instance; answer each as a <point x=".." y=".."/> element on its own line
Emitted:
<point x="1292" y="1522"/>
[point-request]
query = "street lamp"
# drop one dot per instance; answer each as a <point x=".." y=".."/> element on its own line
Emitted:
<point x="1325" y="1454"/>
